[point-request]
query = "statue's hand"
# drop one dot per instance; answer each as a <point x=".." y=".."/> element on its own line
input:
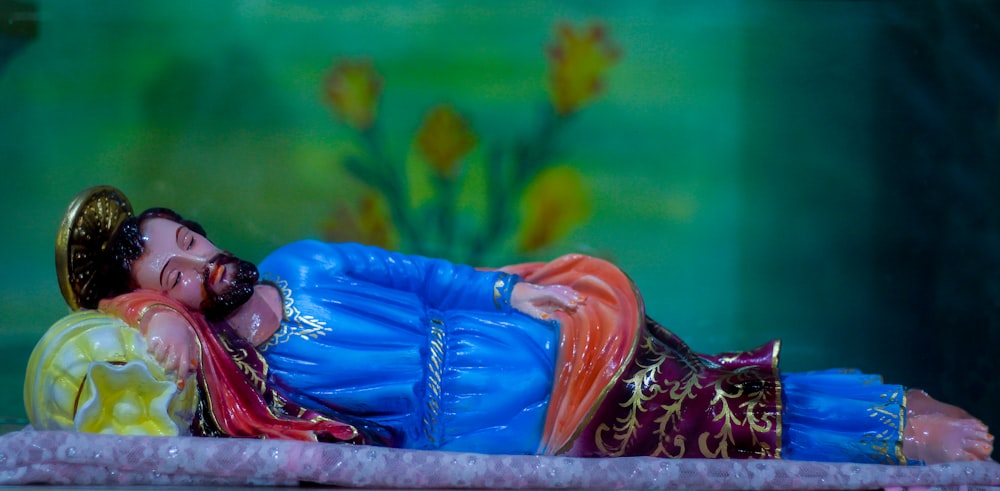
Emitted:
<point x="171" y="340"/>
<point x="542" y="301"/>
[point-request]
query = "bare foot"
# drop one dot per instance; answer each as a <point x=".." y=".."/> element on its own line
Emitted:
<point x="936" y="438"/>
<point x="919" y="402"/>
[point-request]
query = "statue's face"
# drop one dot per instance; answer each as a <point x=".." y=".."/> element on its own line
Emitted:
<point x="187" y="267"/>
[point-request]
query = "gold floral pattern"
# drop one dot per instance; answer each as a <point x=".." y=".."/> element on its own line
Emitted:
<point x="240" y="357"/>
<point x="647" y="388"/>
<point x="295" y="323"/>
<point x="740" y="388"/>
<point x="710" y="412"/>
<point x="891" y="414"/>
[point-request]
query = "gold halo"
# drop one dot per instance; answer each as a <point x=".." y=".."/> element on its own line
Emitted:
<point x="90" y="221"/>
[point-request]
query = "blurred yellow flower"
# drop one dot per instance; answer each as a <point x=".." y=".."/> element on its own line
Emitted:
<point x="125" y="400"/>
<point x="444" y="138"/>
<point x="554" y="203"/>
<point x="579" y="60"/>
<point x="352" y="89"/>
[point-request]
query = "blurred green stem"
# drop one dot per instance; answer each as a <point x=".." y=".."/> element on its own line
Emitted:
<point x="509" y="177"/>
<point x="390" y="178"/>
<point x="447" y="199"/>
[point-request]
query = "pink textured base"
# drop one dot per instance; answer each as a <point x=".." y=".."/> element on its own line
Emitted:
<point x="67" y="458"/>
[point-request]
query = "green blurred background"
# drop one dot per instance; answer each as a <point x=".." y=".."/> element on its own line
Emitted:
<point x="825" y="172"/>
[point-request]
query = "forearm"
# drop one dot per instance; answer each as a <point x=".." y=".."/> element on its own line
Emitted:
<point x="135" y="307"/>
<point x="440" y="283"/>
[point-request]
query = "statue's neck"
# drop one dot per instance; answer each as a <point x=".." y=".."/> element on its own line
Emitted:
<point x="260" y="317"/>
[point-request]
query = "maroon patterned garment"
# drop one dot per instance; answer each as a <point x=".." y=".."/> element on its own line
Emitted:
<point x="672" y="402"/>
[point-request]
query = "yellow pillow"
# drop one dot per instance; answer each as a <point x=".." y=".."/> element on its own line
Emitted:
<point x="91" y="372"/>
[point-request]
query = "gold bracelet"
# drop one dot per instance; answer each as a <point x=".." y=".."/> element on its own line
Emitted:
<point x="145" y="310"/>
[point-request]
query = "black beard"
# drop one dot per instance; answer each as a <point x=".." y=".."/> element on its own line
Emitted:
<point x="216" y="307"/>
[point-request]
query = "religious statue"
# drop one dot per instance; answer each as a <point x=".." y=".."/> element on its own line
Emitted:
<point x="346" y="342"/>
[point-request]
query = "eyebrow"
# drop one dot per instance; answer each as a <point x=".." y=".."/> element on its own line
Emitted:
<point x="164" y="270"/>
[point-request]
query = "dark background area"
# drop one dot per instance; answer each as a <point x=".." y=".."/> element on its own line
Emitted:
<point x="825" y="172"/>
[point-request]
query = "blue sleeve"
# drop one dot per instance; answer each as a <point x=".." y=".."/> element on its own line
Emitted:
<point x="441" y="284"/>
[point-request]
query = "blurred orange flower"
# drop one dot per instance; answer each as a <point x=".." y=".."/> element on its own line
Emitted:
<point x="554" y="203"/>
<point x="352" y="89"/>
<point x="579" y="60"/>
<point x="444" y="138"/>
<point x="367" y="222"/>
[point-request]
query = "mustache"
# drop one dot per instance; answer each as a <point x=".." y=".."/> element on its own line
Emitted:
<point x="221" y="259"/>
<point x="216" y="306"/>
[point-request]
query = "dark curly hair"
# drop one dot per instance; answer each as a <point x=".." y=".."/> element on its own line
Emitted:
<point x="126" y="246"/>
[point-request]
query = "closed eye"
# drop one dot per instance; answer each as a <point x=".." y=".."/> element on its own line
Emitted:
<point x="185" y="238"/>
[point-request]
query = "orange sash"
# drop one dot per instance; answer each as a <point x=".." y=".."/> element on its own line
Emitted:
<point x="595" y="341"/>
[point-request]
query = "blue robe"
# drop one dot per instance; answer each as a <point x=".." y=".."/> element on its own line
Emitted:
<point x="424" y="353"/>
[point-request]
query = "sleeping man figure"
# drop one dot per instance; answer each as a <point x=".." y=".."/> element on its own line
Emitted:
<point x="354" y="343"/>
